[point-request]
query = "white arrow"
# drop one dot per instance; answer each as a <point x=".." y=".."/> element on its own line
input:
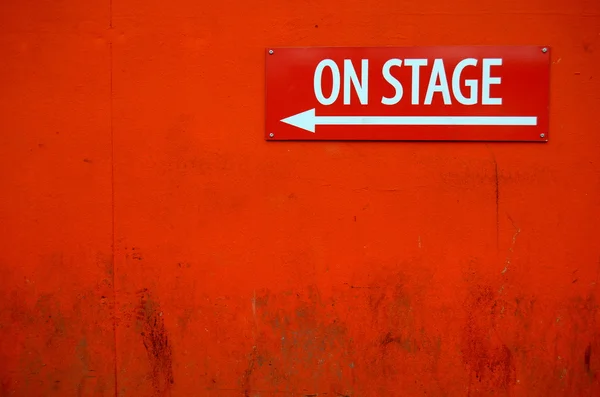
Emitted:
<point x="309" y="120"/>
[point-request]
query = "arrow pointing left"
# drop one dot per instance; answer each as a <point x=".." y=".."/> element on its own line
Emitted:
<point x="308" y="120"/>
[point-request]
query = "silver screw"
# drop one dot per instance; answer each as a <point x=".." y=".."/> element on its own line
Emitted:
<point x="272" y="135"/>
<point x="542" y="135"/>
<point x="544" y="50"/>
<point x="271" y="52"/>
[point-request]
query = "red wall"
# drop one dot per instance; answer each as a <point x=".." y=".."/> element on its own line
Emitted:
<point x="153" y="244"/>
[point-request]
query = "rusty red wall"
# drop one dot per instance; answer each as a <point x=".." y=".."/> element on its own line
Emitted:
<point x="153" y="244"/>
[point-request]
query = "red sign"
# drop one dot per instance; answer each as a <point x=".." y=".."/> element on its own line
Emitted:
<point x="408" y="93"/>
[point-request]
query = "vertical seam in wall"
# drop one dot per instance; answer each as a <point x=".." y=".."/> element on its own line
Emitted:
<point x="112" y="187"/>
<point x="112" y="183"/>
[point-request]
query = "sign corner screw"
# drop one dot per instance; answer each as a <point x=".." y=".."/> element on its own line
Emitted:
<point x="271" y="135"/>
<point x="271" y="52"/>
<point x="542" y="135"/>
<point x="544" y="50"/>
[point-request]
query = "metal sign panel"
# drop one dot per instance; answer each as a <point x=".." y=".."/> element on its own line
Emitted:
<point x="474" y="93"/>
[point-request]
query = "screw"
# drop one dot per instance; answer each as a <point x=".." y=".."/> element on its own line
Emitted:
<point x="544" y="50"/>
<point x="271" y="52"/>
<point x="542" y="135"/>
<point x="272" y="135"/>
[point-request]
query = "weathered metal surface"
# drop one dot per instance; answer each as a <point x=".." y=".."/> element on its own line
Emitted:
<point x="247" y="268"/>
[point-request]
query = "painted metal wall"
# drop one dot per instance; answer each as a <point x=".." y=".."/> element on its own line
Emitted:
<point x="153" y="244"/>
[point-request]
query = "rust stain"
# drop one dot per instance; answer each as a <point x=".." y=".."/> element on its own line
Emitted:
<point x="48" y="308"/>
<point x="587" y="357"/>
<point x="294" y="338"/>
<point x="405" y="344"/>
<point x="156" y="341"/>
<point x="248" y="373"/>
<point x="5" y="386"/>
<point x="84" y="357"/>
<point x="489" y="359"/>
